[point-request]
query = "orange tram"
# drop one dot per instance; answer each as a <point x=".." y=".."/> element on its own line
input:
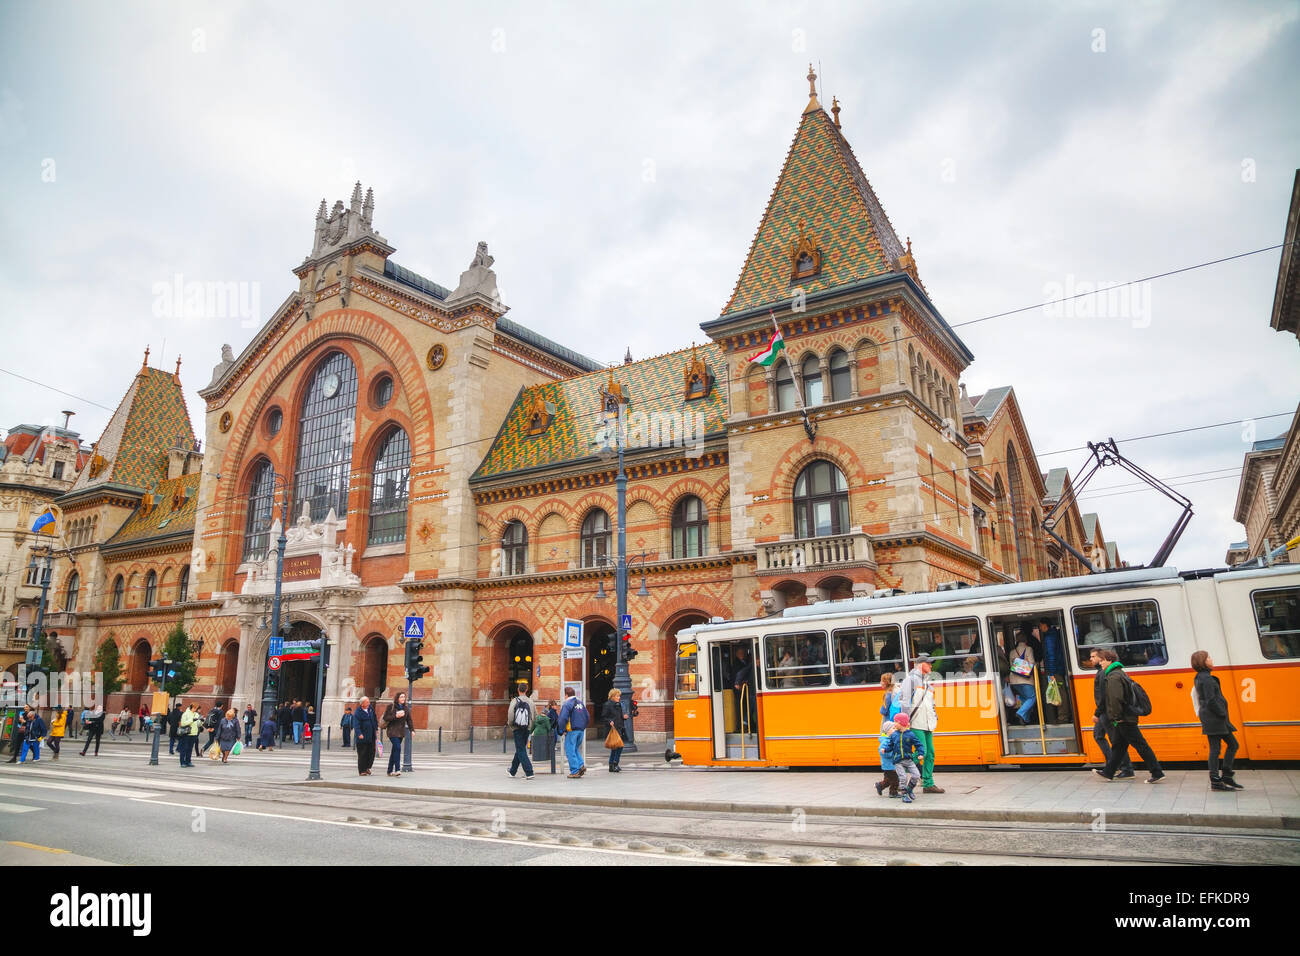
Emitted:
<point x="814" y="671"/>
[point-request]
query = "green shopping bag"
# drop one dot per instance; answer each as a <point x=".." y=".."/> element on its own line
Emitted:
<point x="1053" y="693"/>
<point x="237" y="749"/>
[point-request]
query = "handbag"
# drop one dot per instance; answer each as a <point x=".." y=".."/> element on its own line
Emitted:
<point x="379" y="747"/>
<point x="612" y="740"/>
<point x="1021" y="666"/>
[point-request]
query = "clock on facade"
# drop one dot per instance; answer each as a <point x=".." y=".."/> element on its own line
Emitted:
<point x="330" y="387"/>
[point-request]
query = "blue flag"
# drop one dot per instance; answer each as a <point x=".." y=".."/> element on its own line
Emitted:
<point x="44" y="521"/>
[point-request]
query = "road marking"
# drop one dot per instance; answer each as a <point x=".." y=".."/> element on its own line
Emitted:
<point x="36" y="846"/>
<point x="111" y="778"/>
<point x="17" y="808"/>
<point x="450" y="836"/>
<point x="81" y="788"/>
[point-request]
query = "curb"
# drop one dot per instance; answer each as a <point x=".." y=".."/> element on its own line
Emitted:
<point x="991" y="815"/>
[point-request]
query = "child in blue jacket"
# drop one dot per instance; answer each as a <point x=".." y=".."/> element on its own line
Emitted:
<point x="887" y="760"/>
<point x="906" y="750"/>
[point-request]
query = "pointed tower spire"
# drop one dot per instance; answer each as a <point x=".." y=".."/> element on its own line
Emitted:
<point x="145" y="364"/>
<point x="368" y="207"/>
<point x="356" y="198"/>
<point x="178" y="368"/>
<point x="835" y="110"/>
<point x="812" y="91"/>
<point x="320" y="213"/>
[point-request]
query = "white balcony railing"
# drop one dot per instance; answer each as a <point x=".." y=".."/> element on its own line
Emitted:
<point x="814" y="553"/>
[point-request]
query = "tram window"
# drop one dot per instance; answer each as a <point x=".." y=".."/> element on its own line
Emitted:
<point x="797" y="660"/>
<point x="1131" y="629"/>
<point x="1277" y="618"/>
<point x="688" y="674"/>
<point x="862" y="654"/>
<point x="954" y="646"/>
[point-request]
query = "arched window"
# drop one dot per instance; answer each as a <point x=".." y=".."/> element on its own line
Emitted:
<point x="514" y="548"/>
<point x="821" y="501"/>
<point x="150" y="589"/>
<point x="841" y="378"/>
<point x="119" y="588"/>
<point x="690" y="528"/>
<point x="785" y="393"/>
<point x="595" y="539"/>
<point x="388" y="489"/>
<point x="811" y="373"/>
<point x="74" y="589"/>
<point x="183" y="592"/>
<point x="257" y="526"/>
<point x="520" y="661"/>
<point x="326" y="430"/>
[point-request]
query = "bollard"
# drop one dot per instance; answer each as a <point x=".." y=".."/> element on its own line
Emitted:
<point x="471" y="738"/>
<point x="439" y="740"/>
<point x="329" y="737"/>
<point x="553" y="749"/>
<point x="503" y="743"/>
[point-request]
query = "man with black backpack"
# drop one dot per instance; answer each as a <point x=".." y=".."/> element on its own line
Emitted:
<point x="211" y="723"/>
<point x="520" y="722"/>
<point x="1126" y="701"/>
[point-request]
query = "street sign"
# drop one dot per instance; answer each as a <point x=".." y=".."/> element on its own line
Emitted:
<point x="573" y="652"/>
<point x="572" y="633"/>
<point x="414" y="630"/>
<point x="277" y="647"/>
<point x="626" y="622"/>
<point x="274" y="663"/>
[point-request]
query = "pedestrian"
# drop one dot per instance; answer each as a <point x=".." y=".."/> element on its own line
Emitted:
<point x="1121" y="717"/>
<point x="250" y="719"/>
<point x="553" y="715"/>
<point x="266" y="737"/>
<point x="345" y="724"/>
<point x="1022" y="675"/>
<point x="520" y="722"/>
<point x="1055" y="670"/>
<point x="284" y="717"/>
<point x="189" y="727"/>
<point x="907" y="751"/>
<point x="572" y="721"/>
<point x="309" y="725"/>
<point x="94" y="724"/>
<point x="1212" y="709"/>
<point x="886" y="748"/>
<point x="174" y="725"/>
<point x="227" y="733"/>
<point x="299" y="718"/>
<point x="18" y="734"/>
<point x="1100" y="729"/>
<point x="742" y="682"/>
<point x="916" y="700"/>
<point x="58" y="727"/>
<point x="399" y="726"/>
<point x="612" y="714"/>
<point x="367" y="729"/>
<point x="36" y="731"/>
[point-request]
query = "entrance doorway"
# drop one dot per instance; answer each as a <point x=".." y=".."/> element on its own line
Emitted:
<point x="733" y="683"/>
<point x="1028" y="647"/>
<point x="601" y="657"/>
<point x="298" y="678"/>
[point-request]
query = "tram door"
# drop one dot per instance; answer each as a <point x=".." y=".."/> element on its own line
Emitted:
<point x="1036" y="719"/>
<point x="733" y="681"/>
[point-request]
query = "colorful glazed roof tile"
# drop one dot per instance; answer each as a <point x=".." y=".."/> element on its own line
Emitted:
<point x="823" y="187"/>
<point x="175" y="505"/>
<point x="150" y="420"/>
<point x="654" y="385"/>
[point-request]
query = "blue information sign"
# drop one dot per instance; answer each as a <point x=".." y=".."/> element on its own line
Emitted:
<point x="414" y="628"/>
<point x="276" y="648"/>
<point x="627" y="622"/>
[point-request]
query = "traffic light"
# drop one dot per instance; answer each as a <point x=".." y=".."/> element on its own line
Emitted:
<point x="157" y="669"/>
<point x="415" y="668"/>
<point x="272" y="684"/>
<point x="629" y="651"/>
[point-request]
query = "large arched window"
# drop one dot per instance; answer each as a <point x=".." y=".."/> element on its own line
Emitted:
<point x="257" y="526"/>
<point x="389" y="487"/>
<point x="74" y="590"/>
<point x="595" y="539"/>
<point x="326" y="431"/>
<point x="811" y="373"/>
<point x="821" y="501"/>
<point x="183" y="591"/>
<point x="150" y="589"/>
<point x="785" y="393"/>
<point x="119" y="588"/>
<point x="690" y="528"/>
<point x="841" y="378"/>
<point x="514" y="548"/>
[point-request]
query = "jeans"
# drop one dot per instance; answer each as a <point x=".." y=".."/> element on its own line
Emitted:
<point x="93" y="732"/>
<point x="297" y="731"/>
<point x="573" y="749"/>
<point x="34" y="746"/>
<point x="1215" y="741"/>
<point x="55" y="741"/>
<point x="347" y="736"/>
<point x="521" y="753"/>
<point x="187" y="749"/>
<point x="395" y="754"/>
<point x="1128" y="735"/>
<point x="248" y="735"/>
<point x="171" y="744"/>
<point x="613" y="757"/>
<point x="1027" y="697"/>
<point x="1099" y="735"/>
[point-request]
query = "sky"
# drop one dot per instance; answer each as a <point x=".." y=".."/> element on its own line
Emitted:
<point x="617" y="160"/>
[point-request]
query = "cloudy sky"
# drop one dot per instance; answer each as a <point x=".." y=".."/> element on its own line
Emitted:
<point x="617" y="159"/>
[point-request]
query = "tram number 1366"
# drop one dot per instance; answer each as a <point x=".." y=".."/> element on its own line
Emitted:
<point x="864" y="622"/>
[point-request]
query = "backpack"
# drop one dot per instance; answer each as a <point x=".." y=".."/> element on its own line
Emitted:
<point x="1136" y="701"/>
<point x="578" y="719"/>
<point x="520" y="714"/>
<point x="212" y="720"/>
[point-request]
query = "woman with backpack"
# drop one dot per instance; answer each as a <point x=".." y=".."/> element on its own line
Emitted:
<point x="1212" y="709"/>
<point x="397" y="722"/>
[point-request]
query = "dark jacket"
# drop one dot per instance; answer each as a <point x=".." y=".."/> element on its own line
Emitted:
<point x="1213" y="705"/>
<point x="250" y="718"/>
<point x="36" y="728"/>
<point x="1099" y="693"/>
<point x="612" y="715"/>
<point x="267" y="736"/>
<point x="365" y="725"/>
<point x="173" y="721"/>
<point x="228" y="732"/>
<point x="397" y="727"/>
<point x="1116" y="712"/>
<point x="346" y="720"/>
<point x="299" y="715"/>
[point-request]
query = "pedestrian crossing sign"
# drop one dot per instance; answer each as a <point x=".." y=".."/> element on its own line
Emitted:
<point x="414" y="629"/>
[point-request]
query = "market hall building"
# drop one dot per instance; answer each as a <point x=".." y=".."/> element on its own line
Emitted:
<point x="444" y="461"/>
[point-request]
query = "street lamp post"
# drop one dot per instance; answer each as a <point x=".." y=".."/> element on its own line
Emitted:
<point x="324" y="645"/>
<point x="37" y="663"/>
<point x="622" y="675"/>
<point x="157" y="724"/>
<point x="268" y="702"/>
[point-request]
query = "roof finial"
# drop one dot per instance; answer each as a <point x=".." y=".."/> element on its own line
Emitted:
<point x="627" y="359"/>
<point x="145" y="363"/>
<point x="835" y="110"/>
<point x="812" y="81"/>
<point x="178" y="367"/>
<point x="909" y="245"/>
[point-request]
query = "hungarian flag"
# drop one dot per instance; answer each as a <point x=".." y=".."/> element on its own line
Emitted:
<point x="774" y="347"/>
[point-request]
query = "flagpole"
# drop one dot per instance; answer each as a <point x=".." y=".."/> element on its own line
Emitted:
<point x="808" y="426"/>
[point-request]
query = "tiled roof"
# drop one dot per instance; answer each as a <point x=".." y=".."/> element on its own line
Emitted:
<point x="1090" y="526"/>
<point x="150" y="420"/>
<point x="1055" y="482"/>
<point x="1269" y="444"/>
<point x="546" y="345"/>
<point x="653" y="385"/>
<point x="414" y="280"/>
<point x="821" y="185"/>
<point x="163" y="519"/>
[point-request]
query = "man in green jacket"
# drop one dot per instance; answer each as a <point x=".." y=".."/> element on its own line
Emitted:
<point x="1122" y="721"/>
